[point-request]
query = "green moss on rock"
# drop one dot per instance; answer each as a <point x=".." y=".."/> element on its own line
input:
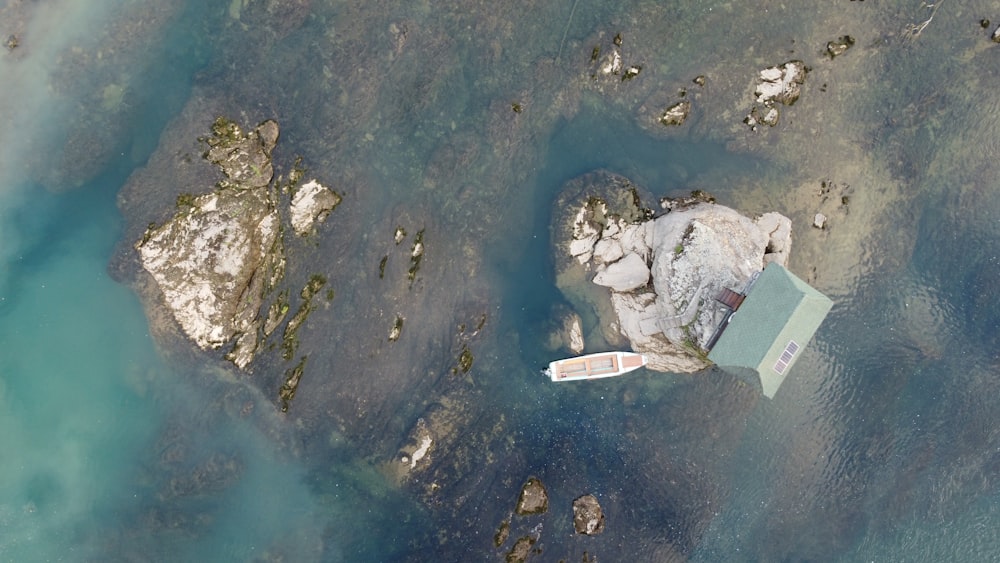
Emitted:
<point x="465" y="360"/>
<point x="503" y="532"/>
<point x="534" y="499"/>
<point x="397" y="329"/>
<point x="521" y="550"/>
<point x="291" y="384"/>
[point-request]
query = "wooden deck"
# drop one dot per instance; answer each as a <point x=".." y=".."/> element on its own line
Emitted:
<point x="594" y="366"/>
<point x="730" y="298"/>
<point x="632" y="362"/>
<point x="589" y="366"/>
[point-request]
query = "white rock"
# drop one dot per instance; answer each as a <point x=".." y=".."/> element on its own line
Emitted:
<point x="583" y="249"/>
<point x="312" y="202"/>
<point x="208" y="258"/>
<point x="638" y="239"/>
<point x="624" y="275"/>
<point x="608" y="250"/>
<point x="778" y="230"/>
<point x="585" y="234"/>
<point x="772" y="74"/>
<point x="425" y="446"/>
<point x="781" y="83"/>
<point x="613" y="64"/>
<point x="770" y="117"/>
<point x="819" y="221"/>
<point x="576" y="343"/>
<point x="695" y="252"/>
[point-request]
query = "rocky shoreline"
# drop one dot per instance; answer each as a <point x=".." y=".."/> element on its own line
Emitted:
<point x="379" y="332"/>
<point x="219" y="258"/>
<point x="662" y="269"/>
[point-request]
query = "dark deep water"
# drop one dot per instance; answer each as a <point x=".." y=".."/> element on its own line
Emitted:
<point x="882" y="445"/>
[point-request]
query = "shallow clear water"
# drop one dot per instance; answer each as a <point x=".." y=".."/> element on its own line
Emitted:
<point x="881" y="445"/>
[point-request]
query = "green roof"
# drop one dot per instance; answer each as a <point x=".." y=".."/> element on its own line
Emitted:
<point x="771" y="327"/>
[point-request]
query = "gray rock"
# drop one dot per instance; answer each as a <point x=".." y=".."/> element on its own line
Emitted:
<point x="534" y="499"/>
<point x="219" y="255"/>
<point x="521" y="550"/>
<point x="840" y="46"/>
<point x="565" y="329"/>
<point x="311" y="203"/>
<point x="631" y="272"/>
<point x="692" y="252"/>
<point x="779" y="236"/>
<point x="588" y="517"/>
<point x="676" y="114"/>
<point x="574" y="333"/>
<point x="780" y="84"/>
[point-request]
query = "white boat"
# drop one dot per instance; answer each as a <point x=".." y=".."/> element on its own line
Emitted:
<point x="595" y="366"/>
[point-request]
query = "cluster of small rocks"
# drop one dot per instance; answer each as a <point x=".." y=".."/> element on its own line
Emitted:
<point x="588" y="519"/>
<point x="781" y="84"/>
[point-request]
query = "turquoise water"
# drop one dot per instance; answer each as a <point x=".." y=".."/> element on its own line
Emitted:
<point x="73" y="407"/>
<point x="882" y="445"/>
<point x="86" y="400"/>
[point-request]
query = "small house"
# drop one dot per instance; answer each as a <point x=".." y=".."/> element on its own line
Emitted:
<point x="768" y="328"/>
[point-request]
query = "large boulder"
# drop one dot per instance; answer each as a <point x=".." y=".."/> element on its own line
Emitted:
<point x="534" y="498"/>
<point x="625" y="274"/>
<point x="588" y="517"/>
<point x="311" y="204"/>
<point x="662" y="272"/>
<point x="220" y="254"/>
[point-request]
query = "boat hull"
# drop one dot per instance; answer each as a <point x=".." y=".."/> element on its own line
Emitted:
<point x="595" y="366"/>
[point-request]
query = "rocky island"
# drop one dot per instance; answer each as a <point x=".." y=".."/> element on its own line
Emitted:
<point x="218" y="258"/>
<point x="658" y="270"/>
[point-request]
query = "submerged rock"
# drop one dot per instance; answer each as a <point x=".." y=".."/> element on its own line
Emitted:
<point x="663" y="273"/>
<point x="574" y="333"/>
<point x="588" y="517"/>
<point x="565" y="329"/>
<point x="609" y="64"/>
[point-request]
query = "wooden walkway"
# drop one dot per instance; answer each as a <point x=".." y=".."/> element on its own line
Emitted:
<point x="730" y="298"/>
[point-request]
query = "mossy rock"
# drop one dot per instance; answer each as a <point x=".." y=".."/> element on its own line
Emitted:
<point x="465" y="360"/>
<point x="291" y="384"/>
<point x="521" y="550"/>
<point x="534" y="498"/>
<point x="503" y="532"/>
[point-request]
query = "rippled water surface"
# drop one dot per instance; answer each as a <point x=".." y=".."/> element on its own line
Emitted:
<point x="465" y="120"/>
